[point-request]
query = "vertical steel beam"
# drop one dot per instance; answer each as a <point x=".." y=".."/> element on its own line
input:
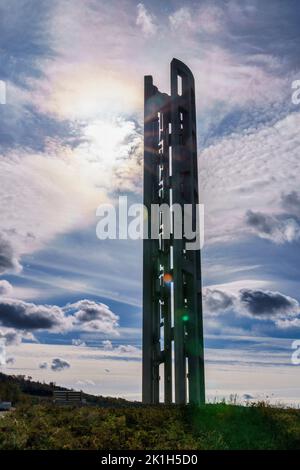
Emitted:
<point x="149" y="382"/>
<point x="162" y="114"/>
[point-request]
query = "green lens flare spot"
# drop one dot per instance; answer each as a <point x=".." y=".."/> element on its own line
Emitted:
<point x="185" y="318"/>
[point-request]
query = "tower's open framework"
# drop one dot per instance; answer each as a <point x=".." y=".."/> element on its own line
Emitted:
<point x="172" y="299"/>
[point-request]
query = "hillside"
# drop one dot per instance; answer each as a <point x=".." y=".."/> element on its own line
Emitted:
<point x="19" y="389"/>
<point x="219" y="426"/>
<point x="113" y="424"/>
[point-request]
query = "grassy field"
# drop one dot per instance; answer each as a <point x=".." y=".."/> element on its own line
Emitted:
<point x="218" y="426"/>
<point x="115" y="424"/>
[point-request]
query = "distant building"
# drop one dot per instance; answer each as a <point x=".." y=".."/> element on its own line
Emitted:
<point x="5" y="405"/>
<point x="67" y="397"/>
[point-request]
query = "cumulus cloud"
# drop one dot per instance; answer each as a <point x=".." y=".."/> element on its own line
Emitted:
<point x="107" y="345"/>
<point x="28" y="316"/>
<point x="288" y="323"/>
<point x="291" y="202"/>
<point x="217" y="301"/>
<point x="242" y="172"/>
<point x="275" y="228"/>
<point x="2" y="354"/>
<point x="268" y="303"/>
<point x="78" y="342"/>
<point x="10" y="337"/>
<point x="261" y="222"/>
<point x="86" y="316"/>
<point x="258" y="303"/>
<point x="121" y="349"/>
<point x="93" y="316"/>
<point x="8" y="257"/>
<point x="145" y="20"/>
<point x="5" y="288"/>
<point x="127" y="349"/>
<point x="291" y="199"/>
<point x="10" y="360"/>
<point x="59" y="365"/>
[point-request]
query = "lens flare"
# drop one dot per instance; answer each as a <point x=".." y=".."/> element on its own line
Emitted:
<point x="168" y="278"/>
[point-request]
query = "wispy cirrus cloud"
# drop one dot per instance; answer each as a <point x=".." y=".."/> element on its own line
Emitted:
<point x="242" y="175"/>
<point x="76" y="180"/>
<point x="145" y="20"/>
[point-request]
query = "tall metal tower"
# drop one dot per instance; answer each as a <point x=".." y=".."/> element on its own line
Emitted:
<point x="172" y="299"/>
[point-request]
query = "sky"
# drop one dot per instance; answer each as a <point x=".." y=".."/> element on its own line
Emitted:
<point x="71" y="138"/>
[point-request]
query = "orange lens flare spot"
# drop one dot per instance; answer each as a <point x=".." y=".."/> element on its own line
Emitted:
<point x="168" y="278"/>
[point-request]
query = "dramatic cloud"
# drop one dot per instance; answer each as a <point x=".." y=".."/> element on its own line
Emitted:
<point x="86" y="316"/>
<point x="261" y="222"/>
<point x="242" y="175"/>
<point x="2" y="354"/>
<point x="8" y="338"/>
<point x="268" y="303"/>
<point x="31" y="190"/>
<point x="216" y="301"/>
<point x="83" y="158"/>
<point x="8" y="258"/>
<point x="72" y="134"/>
<point x="11" y="337"/>
<point x="93" y="316"/>
<point x="291" y="199"/>
<point x="74" y="178"/>
<point x="291" y="202"/>
<point x="59" y="365"/>
<point x="289" y="324"/>
<point x="258" y="303"/>
<point x="75" y="83"/>
<point x="28" y="316"/>
<point x="5" y="288"/>
<point x="279" y="230"/>
<point x="145" y="20"/>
